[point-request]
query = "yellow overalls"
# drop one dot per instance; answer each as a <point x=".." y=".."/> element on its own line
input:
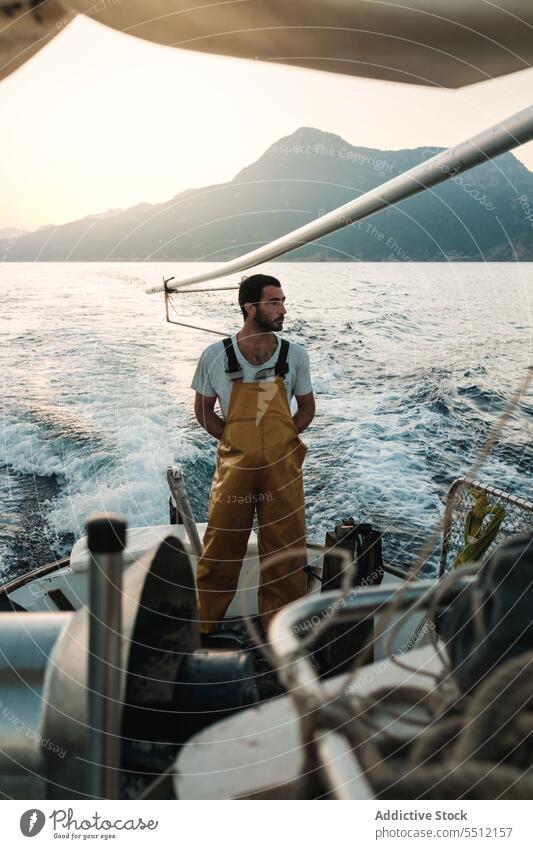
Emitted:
<point x="259" y="465"/>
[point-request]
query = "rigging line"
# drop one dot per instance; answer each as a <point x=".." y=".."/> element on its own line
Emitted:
<point x="192" y="326"/>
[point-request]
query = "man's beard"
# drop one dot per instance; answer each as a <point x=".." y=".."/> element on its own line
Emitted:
<point x="266" y="323"/>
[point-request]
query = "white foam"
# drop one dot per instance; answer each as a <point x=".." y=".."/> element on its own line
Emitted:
<point x="99" y="396"/>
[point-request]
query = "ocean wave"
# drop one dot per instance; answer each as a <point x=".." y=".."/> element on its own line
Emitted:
<point x="487" y="400"/>
<point x="98" y="402"/>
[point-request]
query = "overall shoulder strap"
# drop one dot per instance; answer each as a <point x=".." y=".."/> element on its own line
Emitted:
<point x="234" y="370"/>
<point x="282" y="367"/>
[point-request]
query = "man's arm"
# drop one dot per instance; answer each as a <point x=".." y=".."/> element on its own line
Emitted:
<point x="204" y="410"/>
<point x="306" y="411"/>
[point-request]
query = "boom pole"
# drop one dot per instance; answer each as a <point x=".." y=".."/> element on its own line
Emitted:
<point x="501" y="137"/>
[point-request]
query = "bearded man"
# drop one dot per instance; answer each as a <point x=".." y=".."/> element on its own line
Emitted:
<point x="254" y="375"/>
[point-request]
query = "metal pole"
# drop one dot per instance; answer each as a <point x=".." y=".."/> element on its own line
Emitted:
<point x="340" y="768"/>
<point x="513" y="131"/>
<point x="184" y="324"/>
<point x="178" y="489"/>
<point x="213" y="289"/>
<point x="106" y="538"/>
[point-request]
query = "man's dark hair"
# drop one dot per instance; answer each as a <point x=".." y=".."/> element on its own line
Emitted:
<point x="251" y="288"/>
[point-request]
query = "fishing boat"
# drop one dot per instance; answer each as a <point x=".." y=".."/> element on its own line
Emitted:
<point x="336" y="701"/>
<point x="186" y="715"/>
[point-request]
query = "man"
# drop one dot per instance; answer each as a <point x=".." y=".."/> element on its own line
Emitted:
<point x="254" y="375"/>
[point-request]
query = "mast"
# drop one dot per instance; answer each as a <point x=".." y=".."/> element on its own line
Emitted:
<point x="501" y="137"/>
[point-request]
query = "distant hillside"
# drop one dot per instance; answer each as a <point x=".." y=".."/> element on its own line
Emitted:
<point x="486" y="213"/>
<point x="8" y="237"/>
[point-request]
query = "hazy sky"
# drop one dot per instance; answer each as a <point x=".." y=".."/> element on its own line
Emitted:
<point x="102" y="120"/>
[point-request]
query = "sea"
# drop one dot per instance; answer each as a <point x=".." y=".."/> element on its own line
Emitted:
<point x="411" y="364"/>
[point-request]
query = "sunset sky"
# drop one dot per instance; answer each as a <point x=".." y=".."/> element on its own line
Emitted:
<point x="102" y="120"/>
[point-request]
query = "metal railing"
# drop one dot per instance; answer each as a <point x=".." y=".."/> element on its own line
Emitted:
<point x="518" y="517"/>
<point x="340" y="766"/>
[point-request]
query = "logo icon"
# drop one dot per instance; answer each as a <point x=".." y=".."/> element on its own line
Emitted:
<point x="267" y="392"/>
<point x="32" y="822"/>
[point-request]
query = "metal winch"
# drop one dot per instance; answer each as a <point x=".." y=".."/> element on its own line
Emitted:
<point x="92" y="697"/>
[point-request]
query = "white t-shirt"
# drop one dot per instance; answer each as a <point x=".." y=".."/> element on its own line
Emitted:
<point x="210" y="377"/>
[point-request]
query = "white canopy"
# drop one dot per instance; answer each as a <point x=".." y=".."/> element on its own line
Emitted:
<point x="429" y="42"/>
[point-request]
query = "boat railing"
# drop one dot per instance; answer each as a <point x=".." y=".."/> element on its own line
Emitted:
<point x="291" y="633"/>
<point x="516" y="516"/>
<point x="180" y="497"/>
<point x="13" y="584"/>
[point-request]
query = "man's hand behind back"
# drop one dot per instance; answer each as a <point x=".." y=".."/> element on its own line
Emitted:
<point x="204" y="410"/>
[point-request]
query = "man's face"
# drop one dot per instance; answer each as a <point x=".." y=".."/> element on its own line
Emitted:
<point x="270" y="311"/>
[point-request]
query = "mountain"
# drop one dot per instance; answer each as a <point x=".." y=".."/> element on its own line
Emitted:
<point x="8" y="237"/>
<point x="485" y="214"/>
<point x="12" y="233"/>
